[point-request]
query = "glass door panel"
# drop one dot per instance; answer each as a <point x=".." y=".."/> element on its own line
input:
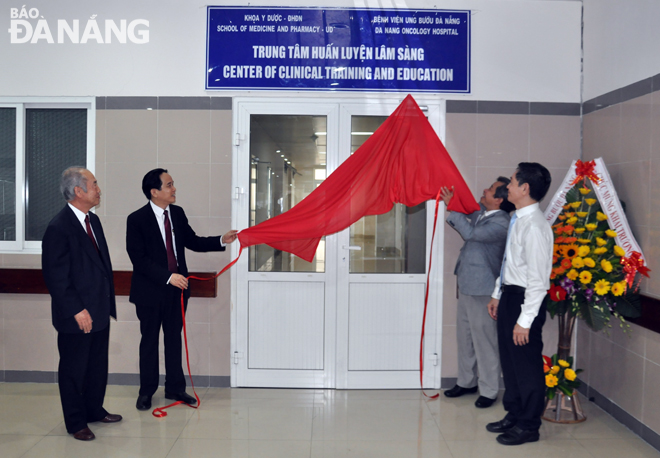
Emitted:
<point x="287" y="162"/>
<point x="394" y="242"/>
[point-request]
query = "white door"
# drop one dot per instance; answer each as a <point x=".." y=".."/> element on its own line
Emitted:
<point x="351" y="318"/>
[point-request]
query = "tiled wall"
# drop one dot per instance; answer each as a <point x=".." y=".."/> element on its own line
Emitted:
<point x="489" y="139"/>
<point x="623" y="127"/>
<point x="191" y="137"/>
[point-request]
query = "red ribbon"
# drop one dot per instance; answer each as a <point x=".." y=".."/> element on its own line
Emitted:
<point x="426" y="302"/>
<point x="585" y="170"/>
<point x="160" y="411"/>
<point x="633" y="264"/>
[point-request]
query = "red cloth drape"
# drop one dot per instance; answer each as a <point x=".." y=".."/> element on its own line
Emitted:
<point x="404" y="161"/>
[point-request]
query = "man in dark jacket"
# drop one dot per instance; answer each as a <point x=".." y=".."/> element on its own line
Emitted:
<point x="78" y="273"/>
<point x="157" y="236"/>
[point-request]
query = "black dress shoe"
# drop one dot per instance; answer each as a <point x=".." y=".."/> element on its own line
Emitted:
<point x="460" y="391"/>
<point x="517" y="436"/>
<point x="500" y="426"/>
<point x="183" y="396"/>
<point x="143" y="403"/>
<point x="483" y="402"/>
<point x="111" y="418"/>
<point x="84" y="434"/>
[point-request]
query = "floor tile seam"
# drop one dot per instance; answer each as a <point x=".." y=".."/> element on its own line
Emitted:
<point x="434" y="417"/>
<point x="34" y="445"/>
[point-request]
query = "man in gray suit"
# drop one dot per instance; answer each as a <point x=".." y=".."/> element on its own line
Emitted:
<point x="477" y="268"/>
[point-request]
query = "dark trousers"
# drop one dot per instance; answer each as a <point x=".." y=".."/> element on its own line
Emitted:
<point x="82" y="377"/>
<point x="152" y="317"/>
<point x="522" y="365"/>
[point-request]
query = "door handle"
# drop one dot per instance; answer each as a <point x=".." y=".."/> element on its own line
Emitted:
<point x="352" y="247"/>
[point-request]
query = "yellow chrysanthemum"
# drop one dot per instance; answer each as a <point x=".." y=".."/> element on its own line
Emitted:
<point x="585" y="277"/>
<point x="600" y="242"/>
<point x="582" y="214"/>
<point x="570" y="374"/>
<point x="583" y="251"/>
<point x="584" y="241"/>
<point x="590" y="202"/>
<point x="619" y="288"/>
<point x="575" y="205"/>
<point x="572" y="220"/>
<point x="610" y="233"/>
<point x="585" y="191"/>
<point x="554" y="370"/>
<point x="563" y="363"/>
<point x="551" y="381"/>
<point x="620" y="252"/>
<point x="591" y="227"/>
<point x="600" y="250"/>
<point x="600" y="216"/>
<point x="602" y="287"/>
<point x="578" y="262"/>
<point x="579" y="230"/>
<point x="570" y="251"/>
<point x="589" y="262"/>
<point x="606" y="265"/>
<point x="572" y="274"/>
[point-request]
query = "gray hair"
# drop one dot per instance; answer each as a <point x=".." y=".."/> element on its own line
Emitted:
<point x="72" y="177"/>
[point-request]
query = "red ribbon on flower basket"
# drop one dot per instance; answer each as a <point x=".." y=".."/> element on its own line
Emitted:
<point x="160" y="411"/>
<point x="585" y="170"/>
<point x="633" y="264"/>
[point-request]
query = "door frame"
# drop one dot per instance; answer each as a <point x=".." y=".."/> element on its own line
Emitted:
<point x="240" y="204"/>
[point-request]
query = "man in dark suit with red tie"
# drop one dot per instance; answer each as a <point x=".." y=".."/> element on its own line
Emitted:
<point x="156" y="238"/>
<point x="78" y="273"/>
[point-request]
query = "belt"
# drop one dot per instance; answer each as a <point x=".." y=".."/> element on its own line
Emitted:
<point x="513" y="289"/>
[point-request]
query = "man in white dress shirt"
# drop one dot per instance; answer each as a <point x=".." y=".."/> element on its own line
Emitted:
<point x="518" y="305"/>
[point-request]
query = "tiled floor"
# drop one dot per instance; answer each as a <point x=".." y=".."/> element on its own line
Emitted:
<point x="264" y="423"/>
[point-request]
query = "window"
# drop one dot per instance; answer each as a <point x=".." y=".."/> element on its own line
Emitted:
<point x="39" y="138"/>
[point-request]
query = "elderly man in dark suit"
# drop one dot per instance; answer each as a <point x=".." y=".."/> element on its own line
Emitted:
<point x="477" y="268"/>
<point x="157" y="236"/>
<point x="78" y="273"/>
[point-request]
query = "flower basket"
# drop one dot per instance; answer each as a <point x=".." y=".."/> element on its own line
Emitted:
<point x="592" y="279"/>
<point x="562" y="404"/>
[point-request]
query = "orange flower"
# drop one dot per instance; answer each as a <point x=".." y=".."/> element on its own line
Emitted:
<point x="566" y="263"/>
<point x="559" y="239"/>
<point x="570" y="240"/>
<point x="570" y="251"/>
<point x="568" y="229"/>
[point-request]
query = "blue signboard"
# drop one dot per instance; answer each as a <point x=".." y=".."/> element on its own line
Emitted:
<point x="344" y="49"/>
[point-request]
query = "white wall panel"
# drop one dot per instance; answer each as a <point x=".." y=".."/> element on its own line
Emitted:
<point x="385" y="322"/>
<point x="620" y="44"/>
<point x="521" y="50"/>
<point x="286" y="325"/>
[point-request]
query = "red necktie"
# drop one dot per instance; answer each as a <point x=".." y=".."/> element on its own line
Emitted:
<point x="89" y="233"/>
<point x="171" y="259"/>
